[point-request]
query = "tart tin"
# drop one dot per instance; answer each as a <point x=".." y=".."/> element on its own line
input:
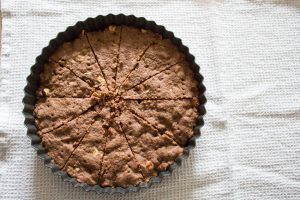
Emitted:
<point x="93" y="24"/>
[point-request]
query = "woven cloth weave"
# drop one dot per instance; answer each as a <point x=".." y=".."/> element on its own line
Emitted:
<point x="249" y="53"/>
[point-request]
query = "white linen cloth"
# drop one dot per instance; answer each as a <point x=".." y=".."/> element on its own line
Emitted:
<point x="249" y="53"/>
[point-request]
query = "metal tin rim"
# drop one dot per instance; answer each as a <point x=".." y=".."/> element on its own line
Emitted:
<point x="69" y="34"/>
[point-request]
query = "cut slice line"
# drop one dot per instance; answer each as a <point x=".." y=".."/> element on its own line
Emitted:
<point x="142" y="118"/>
<point x="74" y="118"/>
<point x="175" y="118"/>
<point x="102" y="159"/>
<point x="124" y="134"/>
<point x="136" y="64"/>
<point x="151" y="77"/>
<point x="81" y="139"/>
<point x="104" y="150"/>
<point x="118" y="56"/>
<point x="96" y="58"/>
<point x="155" y="99"/>
<point x="150" y="124"/>
<point x="73" y="72"/>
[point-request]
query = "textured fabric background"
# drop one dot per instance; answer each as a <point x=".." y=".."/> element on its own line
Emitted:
<point x="249" y="53"/>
